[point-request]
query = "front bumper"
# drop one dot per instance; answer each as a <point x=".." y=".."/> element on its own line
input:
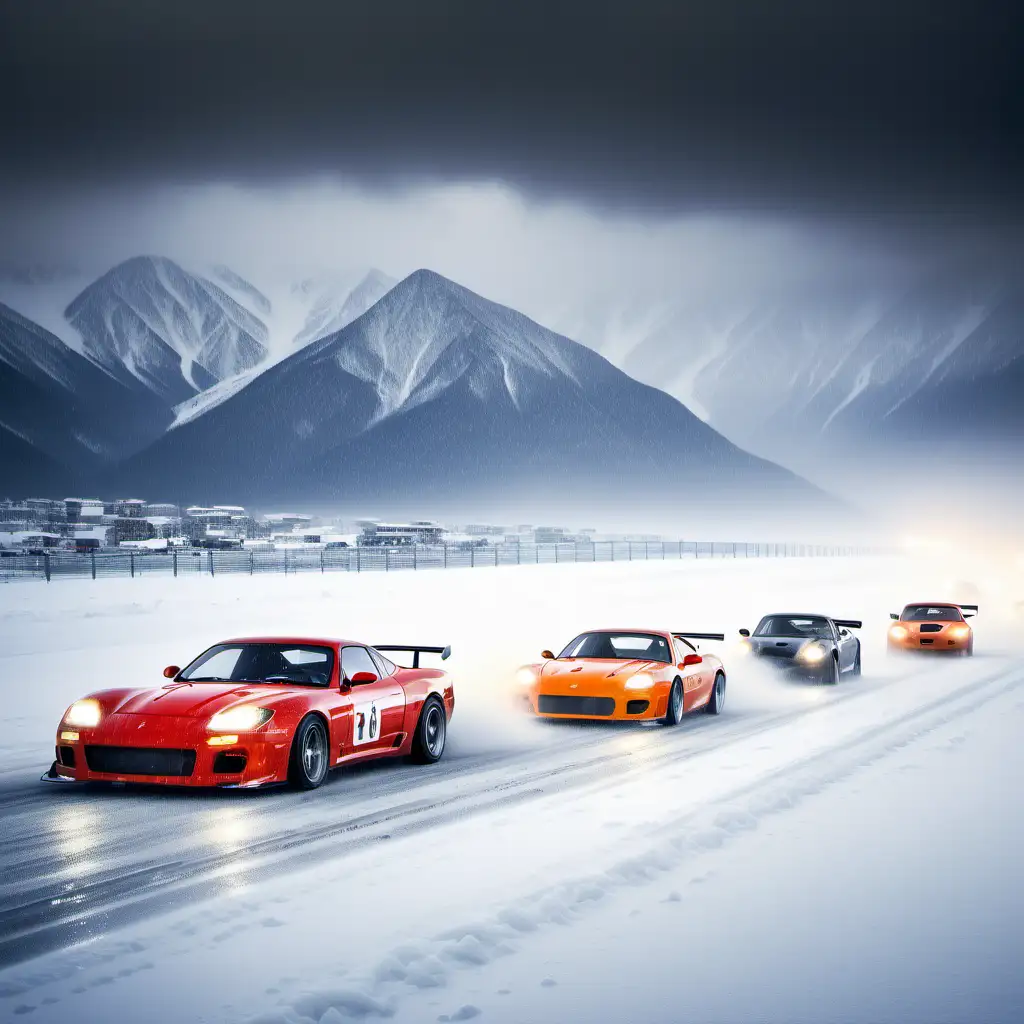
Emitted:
<point x="168" y="751"/>
<point x="630" y="706"/>
<point x="940" y="642"/>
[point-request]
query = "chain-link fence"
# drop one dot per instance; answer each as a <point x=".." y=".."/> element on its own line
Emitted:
<point x="192" y="562"/>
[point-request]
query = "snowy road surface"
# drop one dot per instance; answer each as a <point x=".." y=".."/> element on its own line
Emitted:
<point x="819" y="854"/>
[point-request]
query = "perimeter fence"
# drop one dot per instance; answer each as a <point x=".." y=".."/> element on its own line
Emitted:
<point x="194" y="562"/>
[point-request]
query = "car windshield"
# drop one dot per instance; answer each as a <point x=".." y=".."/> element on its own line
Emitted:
<point x="291" y="664"/>
<point x="793" y="625"/>
<point x="931" y="613"/>
<point x="628" y="646"/>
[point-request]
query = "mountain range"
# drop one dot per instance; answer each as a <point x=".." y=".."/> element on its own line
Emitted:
<point x="851" y="367"/>
<point x="354" y="387"/>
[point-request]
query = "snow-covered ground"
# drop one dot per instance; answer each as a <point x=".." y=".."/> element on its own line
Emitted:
<point x="843" y="854"/>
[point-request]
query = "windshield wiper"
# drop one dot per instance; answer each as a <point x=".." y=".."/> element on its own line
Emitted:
<point x="206" y="679"/>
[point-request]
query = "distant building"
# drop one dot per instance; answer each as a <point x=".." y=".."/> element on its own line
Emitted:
<point x="91" y="512"/>
<point x="287" y="520"/>
<point x="129" y="508"/>
<point x="163" y="509"/>
<point x="395" y="534"/>
<point x="14" y="514"/>
<point x="130" y="528"/>
<point x="550" y="535"/>
<point x="480" y="530"/>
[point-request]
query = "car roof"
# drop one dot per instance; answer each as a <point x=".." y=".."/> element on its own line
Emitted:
<point x="292" y="639"/>
<point x="627" y="629"/>
<point x="796" y="615"/>
<point x="931" y="604"/>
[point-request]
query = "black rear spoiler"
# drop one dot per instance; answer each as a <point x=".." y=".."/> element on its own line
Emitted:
<point x="445" y="652"/>
<point x="701" y="636"/>
<point x="972" y="608"/>
<point x="849" y="623"/>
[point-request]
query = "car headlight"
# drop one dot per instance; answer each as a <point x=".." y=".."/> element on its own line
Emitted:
<point x="898" y="632"/>
<point x="812" y="654"/>
<point x="526" y="676"/>
<point x="744" y="647"/>
<point x="960" y="632"/>
<point x="84" y="713"/>
<point x="640" y="681"/>
<point x="239" y="719"/>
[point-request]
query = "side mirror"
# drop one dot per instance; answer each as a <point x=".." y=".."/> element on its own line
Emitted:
<point x="844" y="632"/>
<point x="744" y="632"/>
<point x="547" y="654"/>
<point x="446" y="653"/>
<point x="894" y="615"/>
<point x="171" y="671"/>
<point x="363" y="677"/>
<point x="692" y="659"/>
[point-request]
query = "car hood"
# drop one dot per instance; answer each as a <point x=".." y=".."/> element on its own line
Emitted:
<point x="576" y="669"/>
<point x="781" y="646"/>
<point x="197" y="700"/>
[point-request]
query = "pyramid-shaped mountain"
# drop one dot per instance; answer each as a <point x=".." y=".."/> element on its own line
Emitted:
<point x="437" y="398"/>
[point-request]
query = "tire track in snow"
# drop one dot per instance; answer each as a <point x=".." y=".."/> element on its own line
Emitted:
<point x="428" y="964"/>
<point x="52" y="916"/>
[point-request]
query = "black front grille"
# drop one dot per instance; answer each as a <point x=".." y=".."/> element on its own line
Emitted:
<point x="548" y="704"/>
<point x="637" y="707"/>
<point x="140" y="760"/>
<point x="777" y="652"/>
<point x="66" y="756"/>
<point x="931" y="627"/>
<point x="229" y="764"/>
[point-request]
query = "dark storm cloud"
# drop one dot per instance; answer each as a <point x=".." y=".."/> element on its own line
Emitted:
<point x="895" y="106"/>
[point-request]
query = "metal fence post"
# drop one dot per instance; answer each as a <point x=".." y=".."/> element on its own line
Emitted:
<point x="446" y="554"/>
<point x="387" y="559"/>
<point x="556" y="551"/>
<point x="46" y="566"/>
<point x="415" y="560"/>
<point x="92" y="556"/>
<point x="472" y="556"/>
<point x="495" y="556"/>
<point x="131" y="563"/>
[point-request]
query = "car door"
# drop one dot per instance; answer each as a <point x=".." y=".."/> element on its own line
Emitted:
<point x="696" y="683"/>
<point x="378" y="707"/>
<point x="847" y="645"/>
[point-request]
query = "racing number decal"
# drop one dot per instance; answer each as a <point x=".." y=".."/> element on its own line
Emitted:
<point x="365" y="723"/>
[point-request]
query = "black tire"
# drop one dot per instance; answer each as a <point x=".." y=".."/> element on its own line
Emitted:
<point x="431" y="732"/>
<point x="310" y="758"/>
<point x="717" y="702"/>
<point x="674" y="712"/>
<point x="856" y="663"/>
<point x="970" y="648"/>
<point x="830" y="673"/>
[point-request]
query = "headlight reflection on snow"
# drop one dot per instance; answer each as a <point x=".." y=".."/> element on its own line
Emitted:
<point x="229" y="828"/>
<point x="75" y="830"/>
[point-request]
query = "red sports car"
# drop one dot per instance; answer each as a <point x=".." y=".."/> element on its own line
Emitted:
<point x="260" y="710"/>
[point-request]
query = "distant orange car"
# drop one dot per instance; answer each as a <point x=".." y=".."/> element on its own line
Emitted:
<point x="626" y="675"/>
<point x="939" y="626"/>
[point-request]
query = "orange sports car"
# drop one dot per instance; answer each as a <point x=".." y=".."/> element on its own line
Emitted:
<point x="626" y="675"/>
<point x="939" y="626"/>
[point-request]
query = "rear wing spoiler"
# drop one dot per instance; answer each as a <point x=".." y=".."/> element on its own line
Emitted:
<point x="849" y="623"/>
<point x="701" y="636"/>
<point x="972" y="608"/>
<point x="445" y="652"/>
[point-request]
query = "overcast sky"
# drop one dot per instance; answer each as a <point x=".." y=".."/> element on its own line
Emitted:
<point x="507" y="143"/>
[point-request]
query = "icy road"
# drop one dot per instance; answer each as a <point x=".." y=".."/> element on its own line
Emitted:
<point x="845" y="853"/>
